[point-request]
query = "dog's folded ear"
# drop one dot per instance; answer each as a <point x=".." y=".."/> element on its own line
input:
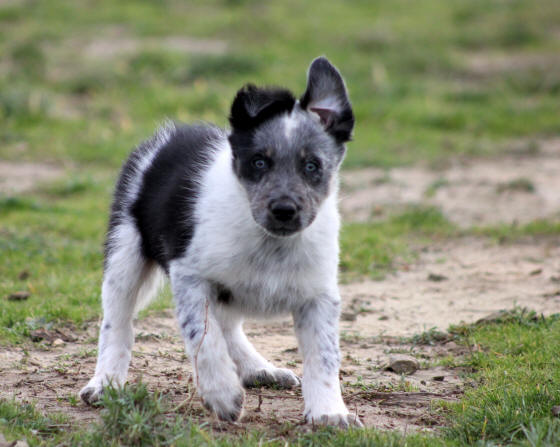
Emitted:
<point x="253" y="105"/>
<point x="326" y="96"/>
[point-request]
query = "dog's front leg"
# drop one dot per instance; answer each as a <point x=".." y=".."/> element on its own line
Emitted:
<point x="316" y="324"/>
<point x="214" y="371"/>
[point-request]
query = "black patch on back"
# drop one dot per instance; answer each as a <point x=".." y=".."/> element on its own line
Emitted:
<point x="163" y="209"/>
<point x="127" y="176"/>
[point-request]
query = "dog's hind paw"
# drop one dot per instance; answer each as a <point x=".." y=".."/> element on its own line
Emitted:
<point x="343" y="421"/>
<point x="279" y="377"/>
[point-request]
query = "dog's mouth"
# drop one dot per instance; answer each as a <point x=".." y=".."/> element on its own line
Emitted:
<point x="282" y="232"/>
<point x="278" y="229"/>
<point x="274" y="228"/>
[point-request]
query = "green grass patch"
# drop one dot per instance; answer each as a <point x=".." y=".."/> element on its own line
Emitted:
<point x="24" y="420"/>
<point x="510" y="232"/>
<point x="372" y="248"/>
<point x="414" y="93"/>
<point x="518" y="382"/>
<point x="51" y="246"/>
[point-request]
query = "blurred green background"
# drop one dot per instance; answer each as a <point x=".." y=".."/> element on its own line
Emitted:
<point x="86" y="80"/>
<point x="83" y="81"/>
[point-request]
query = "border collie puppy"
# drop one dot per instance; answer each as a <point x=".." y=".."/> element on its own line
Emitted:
<point x="244" y="223"/>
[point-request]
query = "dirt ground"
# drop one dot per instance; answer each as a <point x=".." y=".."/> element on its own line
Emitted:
<point x="51" y="376"/>
<point x="449" y="282"/>
<point x="517" y="188"/>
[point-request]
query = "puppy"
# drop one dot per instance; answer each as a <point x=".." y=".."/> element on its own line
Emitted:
<point x="244" y="223"/>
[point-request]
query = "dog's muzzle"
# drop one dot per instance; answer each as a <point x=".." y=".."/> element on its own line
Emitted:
<point x="283" y="216"/>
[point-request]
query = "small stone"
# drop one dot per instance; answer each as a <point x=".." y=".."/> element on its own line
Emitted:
<point x="403" y="364"/>
<point x="436" y="277"/>
<point x="556" y="411"/>
<point x="40" y="335"/>
<point x="451" y="345"/>
<point x="58" y="342"/>
<point x="348" y="316"/>
<point x="65" y="335"/>
<point x="19" y="296"/>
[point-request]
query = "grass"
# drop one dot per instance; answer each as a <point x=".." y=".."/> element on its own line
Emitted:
<point x="519" y="382"/>
<point x="53" y="242"/>
<point x="23" y="420"/>
<point x="86" y="82"/>
<point x="516" y="368"/>
<point x="372" y="249"/>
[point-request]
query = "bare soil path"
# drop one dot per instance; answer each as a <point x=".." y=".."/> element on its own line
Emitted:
<point x="517" y="188"/>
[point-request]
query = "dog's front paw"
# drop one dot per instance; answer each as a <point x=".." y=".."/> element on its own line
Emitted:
<point x="280" y="377"/>
<point x="226" y="404"/>
<point x="92" y="392"/>
<point x="339" y="420"/>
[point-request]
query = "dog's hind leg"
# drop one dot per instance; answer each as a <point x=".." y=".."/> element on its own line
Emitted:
<point x="129" y="281"/>
<point x="253" y="369"/>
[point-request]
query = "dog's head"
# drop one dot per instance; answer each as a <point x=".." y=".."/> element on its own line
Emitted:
<point x="285" y="151"/>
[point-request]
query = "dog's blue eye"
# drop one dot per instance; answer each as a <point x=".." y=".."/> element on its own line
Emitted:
<point x="259" y="163"/>
<point x="311" y="166"/>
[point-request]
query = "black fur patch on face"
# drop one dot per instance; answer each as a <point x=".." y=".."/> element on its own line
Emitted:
<point x="252" y="106"/>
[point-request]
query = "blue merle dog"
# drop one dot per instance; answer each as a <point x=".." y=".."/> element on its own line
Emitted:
<point x="244" y="223"/>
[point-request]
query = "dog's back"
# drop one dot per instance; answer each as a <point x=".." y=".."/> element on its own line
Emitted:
<point x="159" y="186"/>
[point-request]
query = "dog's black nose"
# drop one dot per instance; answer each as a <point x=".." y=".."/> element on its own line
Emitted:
<point x="283" y="210"/>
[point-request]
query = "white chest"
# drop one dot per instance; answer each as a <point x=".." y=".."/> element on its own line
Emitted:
<point x="266" y="275"/>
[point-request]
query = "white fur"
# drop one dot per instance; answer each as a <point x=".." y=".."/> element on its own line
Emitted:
<point x="129" y="283"/>
<point x="225" y="256"/>
<point x="290" y="123"/>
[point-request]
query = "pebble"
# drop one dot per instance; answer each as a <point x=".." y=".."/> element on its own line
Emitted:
<point x="403" y="364"/>
<point x="58" y="342"/>
<point x="348" y="316"/>
<point x="19" y="296"/>
<point x="437" y="277"/>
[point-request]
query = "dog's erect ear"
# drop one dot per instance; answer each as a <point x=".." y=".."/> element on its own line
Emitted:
<point x="253" y="105"/>
<point x="327" y="97"/>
